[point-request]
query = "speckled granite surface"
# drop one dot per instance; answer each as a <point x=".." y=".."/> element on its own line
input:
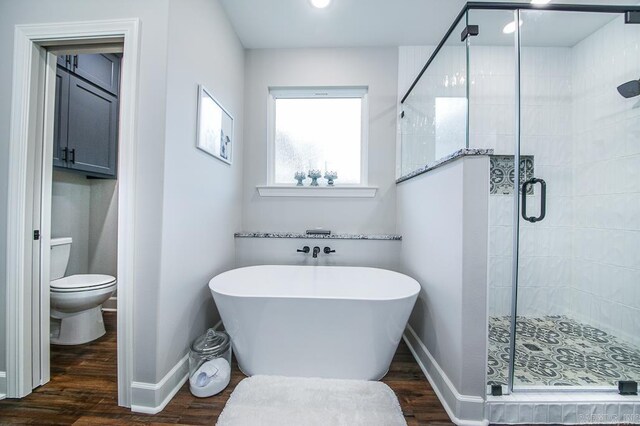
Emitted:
<point x="317" y="237"/>
<point x="465" y="152"/>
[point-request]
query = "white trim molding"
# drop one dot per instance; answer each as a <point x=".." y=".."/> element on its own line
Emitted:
<point x="3" y="384"/>
<point x="463" y="410"/>
<point x="111" y="305"/>
<point x="29" y="40"/>
<point x="354" y="92"/>
<point x="151" y="398"/>
<point x="318" y="191"/>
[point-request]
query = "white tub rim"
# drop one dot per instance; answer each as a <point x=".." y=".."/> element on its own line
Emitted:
<point x="406" y="294"/>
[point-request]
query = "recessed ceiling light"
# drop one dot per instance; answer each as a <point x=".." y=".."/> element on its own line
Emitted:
<point x="510" y="28"/>
<point x="320" y="4"/>
<point x="540" y="2"/>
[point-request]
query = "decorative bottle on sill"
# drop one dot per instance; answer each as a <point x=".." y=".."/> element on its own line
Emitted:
<point x="314" y="174"/>
<point x="300" y="176"/>
<point x="330" y="177"/>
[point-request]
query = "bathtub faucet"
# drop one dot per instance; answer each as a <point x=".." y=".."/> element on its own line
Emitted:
<point x="316" y="250"/>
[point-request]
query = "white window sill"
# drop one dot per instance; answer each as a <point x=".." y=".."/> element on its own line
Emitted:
<point x="318" y="191"/>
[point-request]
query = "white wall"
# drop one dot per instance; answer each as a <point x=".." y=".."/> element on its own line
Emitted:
<point x="70" y="212"/>
<point x="86" y="210"/>
<point x="202" y="203"/>
<point x="443" y="219"/>
<point x="383" y="254"/>
<point x="150" y="149"/>
<point x="606" y="181"/>
<point x="372" y="67"/>
<point x="103" y="227"/>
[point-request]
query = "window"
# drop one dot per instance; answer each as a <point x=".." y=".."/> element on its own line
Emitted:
<point x="318" y="128"/>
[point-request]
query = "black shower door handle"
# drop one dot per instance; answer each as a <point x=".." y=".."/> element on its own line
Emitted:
<point x="543" y="199"/>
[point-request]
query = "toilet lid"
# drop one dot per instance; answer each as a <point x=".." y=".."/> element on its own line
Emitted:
<point x="82" y="282"/>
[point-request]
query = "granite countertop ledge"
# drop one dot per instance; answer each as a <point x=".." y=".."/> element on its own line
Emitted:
<point x="465" y="152"/>
<point x="389" y="237"/>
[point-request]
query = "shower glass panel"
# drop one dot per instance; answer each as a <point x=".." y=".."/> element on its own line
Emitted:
<point x="434" y="115"/>
<point x="554" y="91"/>
<point x="492" y="119"/>
<point x="578" y="304"/>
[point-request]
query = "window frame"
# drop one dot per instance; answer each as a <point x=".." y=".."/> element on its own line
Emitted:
<point x="318" y="92"/>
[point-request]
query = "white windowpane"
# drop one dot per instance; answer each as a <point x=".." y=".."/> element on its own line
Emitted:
<point x="320" y="134"/>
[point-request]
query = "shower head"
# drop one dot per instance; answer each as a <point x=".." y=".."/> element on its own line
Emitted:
<point x="630" y="89"/>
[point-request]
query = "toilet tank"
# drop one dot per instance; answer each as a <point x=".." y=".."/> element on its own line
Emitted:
<point x="60" y="251"/>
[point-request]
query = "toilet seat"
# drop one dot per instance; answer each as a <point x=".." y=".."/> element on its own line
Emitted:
<point x="82" y="282"/>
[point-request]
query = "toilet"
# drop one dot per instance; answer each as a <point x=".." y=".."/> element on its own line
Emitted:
<point x="76" y="300"/>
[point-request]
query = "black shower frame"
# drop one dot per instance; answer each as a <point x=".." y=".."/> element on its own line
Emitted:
<point x="474" y="5"/>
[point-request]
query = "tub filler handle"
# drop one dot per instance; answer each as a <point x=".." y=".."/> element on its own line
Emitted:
<point x="304" y="249"/>
<point x="328" y="250"/>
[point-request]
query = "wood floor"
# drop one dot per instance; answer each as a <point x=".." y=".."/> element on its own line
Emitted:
<point x="83" y="390"/>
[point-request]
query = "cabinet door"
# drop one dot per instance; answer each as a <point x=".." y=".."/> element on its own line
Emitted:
<point x="61" y="118"/>
<point x="93" y="127"/>
<point x="64" y="61"/>
<point x="103" y="70"/>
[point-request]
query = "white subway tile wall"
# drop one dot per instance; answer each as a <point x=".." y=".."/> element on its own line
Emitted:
<point x="606" y="182"/>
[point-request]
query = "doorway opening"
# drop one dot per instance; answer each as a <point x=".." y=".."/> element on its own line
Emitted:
<point x="82" y="213"/>
<point x="38" y="222"/>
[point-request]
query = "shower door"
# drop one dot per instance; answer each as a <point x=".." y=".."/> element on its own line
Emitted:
<point x="577" y="204"/>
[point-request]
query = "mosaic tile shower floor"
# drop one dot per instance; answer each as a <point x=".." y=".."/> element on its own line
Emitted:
<point x="558" y="351"/>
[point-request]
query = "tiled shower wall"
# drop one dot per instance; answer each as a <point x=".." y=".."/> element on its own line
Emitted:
<point x="545" y="250"/>
<point x="545" y="273"/>
<point x="605" y="290"/>
<point x="583" y="260"/>
<point x="430" y="133"/>
<point x="411" y="59"/>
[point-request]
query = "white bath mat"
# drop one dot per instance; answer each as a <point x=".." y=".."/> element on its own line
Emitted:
<point x="282" y="401"/>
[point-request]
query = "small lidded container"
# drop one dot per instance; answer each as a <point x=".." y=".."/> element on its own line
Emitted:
<point x="210" y="363"/>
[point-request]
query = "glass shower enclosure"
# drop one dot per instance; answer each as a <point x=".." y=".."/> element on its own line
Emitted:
<point x="553" y="90"/>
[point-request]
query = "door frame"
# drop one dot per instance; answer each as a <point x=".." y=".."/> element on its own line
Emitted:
<point x="30" y="93"/>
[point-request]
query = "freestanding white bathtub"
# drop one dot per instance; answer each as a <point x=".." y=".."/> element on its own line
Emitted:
<point x="314" y="321"/>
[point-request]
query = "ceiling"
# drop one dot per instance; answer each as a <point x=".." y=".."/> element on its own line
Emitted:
<point x="349" y="23"/>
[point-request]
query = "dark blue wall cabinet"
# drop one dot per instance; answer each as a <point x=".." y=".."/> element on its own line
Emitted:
<point x="86" y="115"/>
<point x="102" y="70"/>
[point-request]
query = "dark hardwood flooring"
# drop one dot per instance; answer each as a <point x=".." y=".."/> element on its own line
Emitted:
<point x="83" y="390"/>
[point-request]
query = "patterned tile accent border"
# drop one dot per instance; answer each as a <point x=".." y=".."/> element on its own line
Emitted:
<point x="317" y="236"/>
<point x="503" y="174"/>
<point x="465" y="152"/>
<point x="558" y="351"/>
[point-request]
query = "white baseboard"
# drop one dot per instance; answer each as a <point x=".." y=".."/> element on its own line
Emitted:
<point x="3" y="384"/>
<point x="151" y="398"/>
<point x="111" y="305"/>
<point x="463" y="410"/>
